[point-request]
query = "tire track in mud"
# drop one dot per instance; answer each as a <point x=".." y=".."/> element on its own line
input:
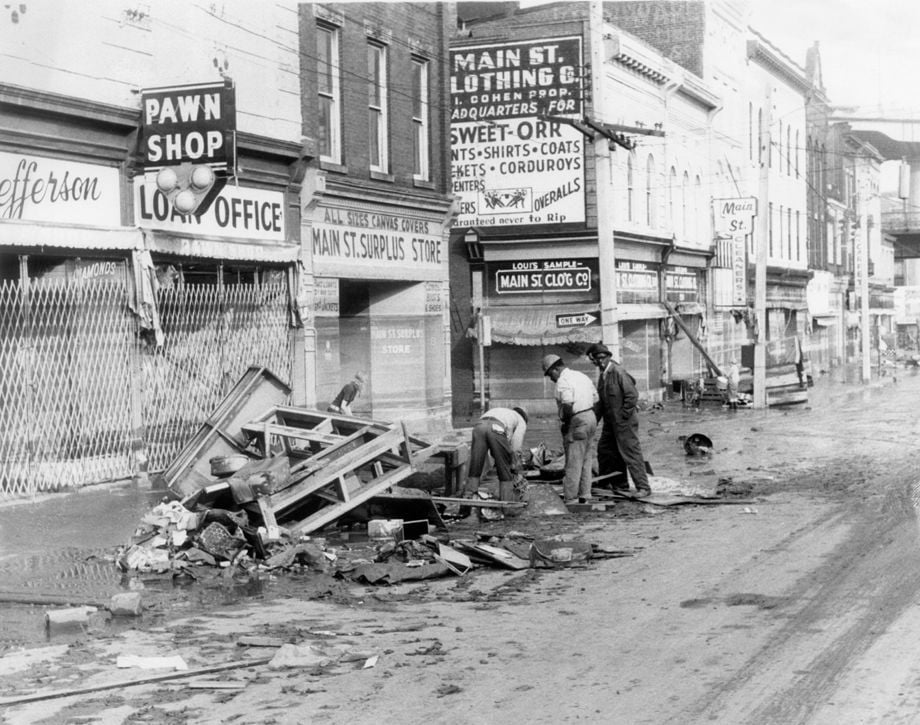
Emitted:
<point x="846" y="603"/>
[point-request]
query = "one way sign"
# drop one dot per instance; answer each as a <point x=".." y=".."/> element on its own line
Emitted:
<point x="582" y="319"/>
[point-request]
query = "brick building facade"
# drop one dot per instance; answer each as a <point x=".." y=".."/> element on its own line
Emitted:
<point x="376" y="206"/>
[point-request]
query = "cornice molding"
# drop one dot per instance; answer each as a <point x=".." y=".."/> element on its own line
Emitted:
<point x="772" y="59"/>
<point x="58" y="104"/>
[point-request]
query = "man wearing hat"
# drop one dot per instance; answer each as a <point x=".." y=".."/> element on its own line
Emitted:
<point x="576" y="398"/>
<point x="618" y="448"/>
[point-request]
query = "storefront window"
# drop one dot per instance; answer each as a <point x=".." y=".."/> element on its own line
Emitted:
<point x="381" y="330"/>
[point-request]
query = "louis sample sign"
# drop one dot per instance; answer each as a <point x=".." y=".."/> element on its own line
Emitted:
<point x="511" y="164"/>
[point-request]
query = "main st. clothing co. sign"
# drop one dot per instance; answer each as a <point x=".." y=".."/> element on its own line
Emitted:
<point x="538" y="276"/>
<point x="511" y="165"/>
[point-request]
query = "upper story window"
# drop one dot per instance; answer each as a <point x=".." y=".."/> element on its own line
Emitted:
<point x="377" y="107"/>
<point x="779" y="147"/>
<point x="672" y="189"/>
<point x="328" y="88"/>
<point x="649" y="191"/>
<point x="751" y="131"/>
<point x="420" y="169"/>
<point x="685" y="205"/>
<point x="789" y="151"/>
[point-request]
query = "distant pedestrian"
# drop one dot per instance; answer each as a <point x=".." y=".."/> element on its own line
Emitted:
<point x="619" y="448"/>
<point x="734" y="382"/>
<point x="348" y="393"/>
<point x="576" y="401"/>
<point x="499" y="432"/>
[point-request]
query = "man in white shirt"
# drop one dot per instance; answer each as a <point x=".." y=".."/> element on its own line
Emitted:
<point x="500" y="432"/>
<point x="576" y="400"/>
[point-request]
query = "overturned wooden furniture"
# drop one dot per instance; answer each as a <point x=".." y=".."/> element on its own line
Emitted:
<point x="336" y="462"/>
<point x="220" y="434"/>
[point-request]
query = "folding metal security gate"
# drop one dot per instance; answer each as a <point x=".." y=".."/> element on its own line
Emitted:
<point x="213" y="334"/>
<point x="65" y="396"/>
<point x="78" y="391"/>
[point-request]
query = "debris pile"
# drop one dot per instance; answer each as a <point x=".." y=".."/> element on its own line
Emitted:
<point x="260" y="482"/>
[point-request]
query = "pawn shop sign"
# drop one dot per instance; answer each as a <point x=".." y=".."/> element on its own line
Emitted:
<point x="191" y="124"/>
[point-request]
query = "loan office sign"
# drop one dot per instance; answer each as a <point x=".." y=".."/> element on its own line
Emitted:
<point x="188" y="124"/>
<point x="544" y="275"/>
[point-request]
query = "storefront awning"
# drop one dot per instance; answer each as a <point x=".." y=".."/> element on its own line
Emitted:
<point x="690" y="308"/>
<point x="538" y="325"/>
<point x="647" y="311"/>
<point x="220" y="248"/>
<point x="69" y="236"/>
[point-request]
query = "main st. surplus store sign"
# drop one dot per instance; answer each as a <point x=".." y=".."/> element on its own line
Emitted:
<point x="510" y="165"/>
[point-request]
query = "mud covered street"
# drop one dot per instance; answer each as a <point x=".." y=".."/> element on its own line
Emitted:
<point x="799" y="607"/>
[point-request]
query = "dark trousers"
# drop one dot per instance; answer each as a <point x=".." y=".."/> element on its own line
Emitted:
<point x="619" y="450"/>
<point x="489" y="437"/>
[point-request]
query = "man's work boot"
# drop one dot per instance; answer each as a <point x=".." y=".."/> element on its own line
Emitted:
<point x="470" y="488"/>
<point x="469" y="491"/>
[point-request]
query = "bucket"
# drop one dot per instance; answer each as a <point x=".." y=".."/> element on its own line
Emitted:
<point x="697" y="444"/>
<point x="227" y="465"/>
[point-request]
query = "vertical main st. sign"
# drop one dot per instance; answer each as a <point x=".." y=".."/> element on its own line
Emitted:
<point x="510" y="165"/>
<point x="734" y="219"/>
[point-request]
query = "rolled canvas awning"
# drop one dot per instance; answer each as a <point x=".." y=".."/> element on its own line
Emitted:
<point x="539" y="325"/>
<point x="69" y="236"/>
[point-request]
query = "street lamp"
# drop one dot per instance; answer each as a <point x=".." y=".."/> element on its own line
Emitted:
<point x="473" y="245"/>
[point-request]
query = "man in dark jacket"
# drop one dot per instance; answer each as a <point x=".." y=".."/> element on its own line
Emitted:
<point x="618" y="448"/>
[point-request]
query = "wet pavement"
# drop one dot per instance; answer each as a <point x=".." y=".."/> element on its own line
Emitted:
<point x="61" y="546"/>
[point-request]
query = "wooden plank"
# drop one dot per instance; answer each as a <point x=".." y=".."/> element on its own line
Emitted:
<point x="666" y="499"/>
<point x="495" y="555"/>
<point x="75" y="692"/>
<point x="334" y="511"/>
<point x="347" y="463"/>
<point x="480" y="502"/>
<point x="268" y="513"/>
<point x="286" y="431"/>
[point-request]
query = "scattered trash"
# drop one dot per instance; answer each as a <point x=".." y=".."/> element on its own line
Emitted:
<point x="370" y="662"/>
<point x="379" y="529"/>
<point x="173" y="662"/>
<point x="125" y="604"/>
<point x="559" y="551"/>
<point x="69" y="616"/>
<point x="696" y="444"/>
<point x="311" y="655"/>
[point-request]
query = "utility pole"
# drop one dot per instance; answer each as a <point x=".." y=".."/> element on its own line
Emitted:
<point x="761" y="242"/>
<point x="606" y="256"/>
<point x="862" y="264"/>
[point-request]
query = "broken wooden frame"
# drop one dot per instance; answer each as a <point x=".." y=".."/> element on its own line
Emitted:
<point x="336" y="463"/>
